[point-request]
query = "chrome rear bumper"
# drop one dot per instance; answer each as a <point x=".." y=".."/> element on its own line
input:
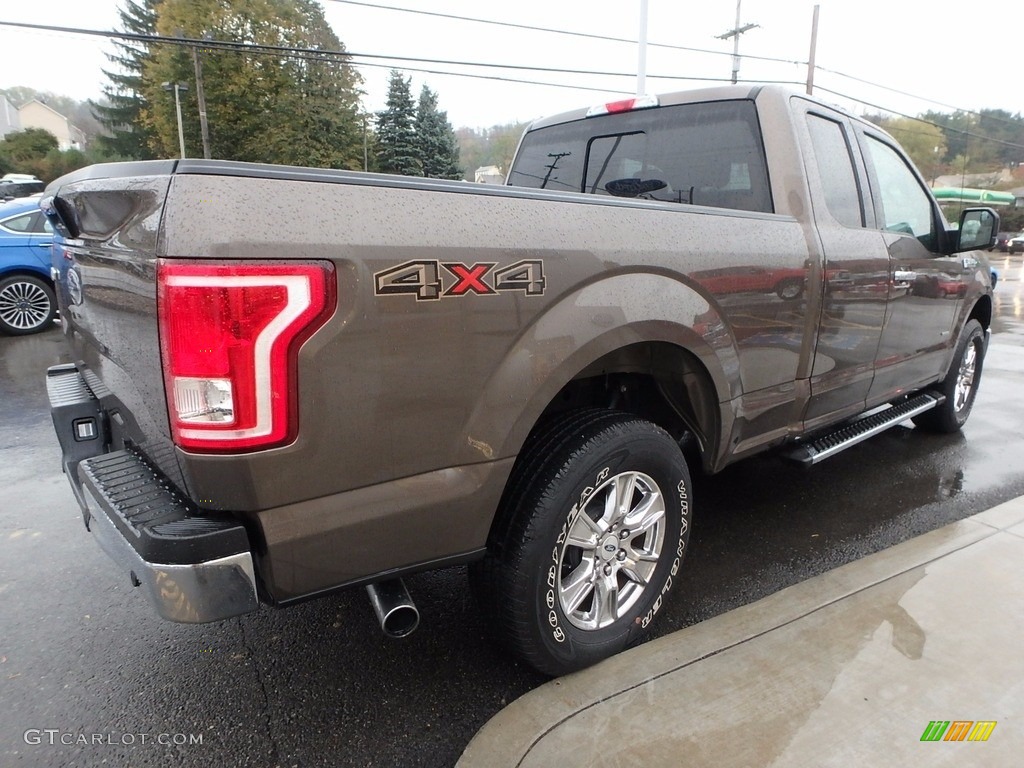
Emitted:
<point x="196" y="566"/>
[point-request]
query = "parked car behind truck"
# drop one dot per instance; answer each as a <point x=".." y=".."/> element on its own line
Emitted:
<point x="16" y="185"/>
<point x="387" y="375"/>
<point x="27" y="301"/>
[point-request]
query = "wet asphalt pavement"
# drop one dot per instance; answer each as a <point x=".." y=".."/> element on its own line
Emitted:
<point x="89" y="675"/>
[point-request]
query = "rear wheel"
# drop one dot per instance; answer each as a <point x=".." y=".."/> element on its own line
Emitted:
<point x="27" y="305"/>
<point x="588" y="542"/>
<point x="960" y="385"/>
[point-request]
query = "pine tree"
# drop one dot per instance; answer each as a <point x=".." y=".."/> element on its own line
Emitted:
<point x="397" y="149"/>
<point x="436" y="143"/>
<point x="128" y="137"/>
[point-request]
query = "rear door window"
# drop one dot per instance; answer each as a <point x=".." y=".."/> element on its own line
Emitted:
<point x="31" y="222"/>
<point x="835" y="169"/>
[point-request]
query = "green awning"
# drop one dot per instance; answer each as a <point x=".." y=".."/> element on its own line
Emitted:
<point x="979" y="196"/>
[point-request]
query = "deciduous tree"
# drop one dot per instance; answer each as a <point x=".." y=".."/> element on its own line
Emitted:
<point x="924" y="142"/>
<point x="35" y="151"/>
<point x="491" y="146"/>
<point x="297" y="106"/>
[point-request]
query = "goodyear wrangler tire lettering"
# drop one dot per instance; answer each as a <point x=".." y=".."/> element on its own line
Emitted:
<point x="598" y="521"/>
<point x="426" y="281"/>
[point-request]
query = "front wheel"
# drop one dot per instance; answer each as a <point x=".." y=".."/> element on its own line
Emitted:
<point x="589" y="540"/>
<point x="960" y="385"/>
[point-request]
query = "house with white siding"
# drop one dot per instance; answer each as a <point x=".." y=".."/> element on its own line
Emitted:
<point x="36" y="114"/>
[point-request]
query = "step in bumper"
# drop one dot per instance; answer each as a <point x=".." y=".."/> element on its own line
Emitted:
<point x="195" y="566"/>
<point x="194" y="569"/>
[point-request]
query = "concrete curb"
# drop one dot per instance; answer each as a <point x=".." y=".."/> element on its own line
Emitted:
<point x="565" y="718"/>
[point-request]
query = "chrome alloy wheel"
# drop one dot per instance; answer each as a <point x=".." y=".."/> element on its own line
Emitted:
<point x="611" y="550"/>
<point x="24" y="305"/>
<point x="965" y="378"/>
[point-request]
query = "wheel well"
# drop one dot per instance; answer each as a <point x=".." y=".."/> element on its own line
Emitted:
<point x="982" y="312"/>
<point x="656" y="381"/>
<point x="27" y="273"/>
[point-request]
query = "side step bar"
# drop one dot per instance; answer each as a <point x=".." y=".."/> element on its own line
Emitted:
<point x="858" y="431"/>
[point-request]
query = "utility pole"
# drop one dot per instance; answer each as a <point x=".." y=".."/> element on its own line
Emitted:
<point x="201" y="98"/>
<point x="641" y="66"/>
<point x="814" y="48"/>
<point x="555" y="157"/>
<point x="735" y="33"/>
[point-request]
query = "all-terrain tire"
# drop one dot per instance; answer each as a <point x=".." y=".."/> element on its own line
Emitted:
<point x="960" y="385"/>
<point x="588" y="539"/>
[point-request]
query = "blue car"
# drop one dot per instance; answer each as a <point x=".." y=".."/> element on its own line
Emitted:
<point x="27" y="301"/>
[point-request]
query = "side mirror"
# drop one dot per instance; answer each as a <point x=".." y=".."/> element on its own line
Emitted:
<point x="979" y="228"/>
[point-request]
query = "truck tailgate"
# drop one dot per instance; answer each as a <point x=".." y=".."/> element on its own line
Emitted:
<point x="105" y="273"/>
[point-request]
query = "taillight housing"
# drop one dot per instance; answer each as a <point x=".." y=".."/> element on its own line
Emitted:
<point x="625" y="105"/>
<point x="229" y="341"/>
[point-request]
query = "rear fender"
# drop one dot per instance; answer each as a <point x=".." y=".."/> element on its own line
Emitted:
<point x="581" y="328"/>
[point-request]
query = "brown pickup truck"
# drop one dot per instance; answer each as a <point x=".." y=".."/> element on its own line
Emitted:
<point x="292" y="381"/>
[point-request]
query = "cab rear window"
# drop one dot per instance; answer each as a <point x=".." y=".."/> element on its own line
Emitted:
<point x="692" y="154"/>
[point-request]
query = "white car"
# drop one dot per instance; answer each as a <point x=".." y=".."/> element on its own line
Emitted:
<point x="1016" y="244"/>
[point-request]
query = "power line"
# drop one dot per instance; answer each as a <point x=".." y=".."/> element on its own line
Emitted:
<point x="915" y="96"/>
<point x="607" y="38"/>
<point x="325" y="52"/>
<point x="293" y="52"/>
<point x="969" y="134"/>
<point x="288" y="50"/>
<point x="528" y="27"/>
<point x="315" y="54"/>
<point x="494" y="77"/>
<point x="320" y="53"/>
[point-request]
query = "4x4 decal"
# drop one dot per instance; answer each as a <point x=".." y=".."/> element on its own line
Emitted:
<point x="426" y="281"/>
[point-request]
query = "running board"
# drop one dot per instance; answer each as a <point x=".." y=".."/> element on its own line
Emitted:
<point x="828" y="445"/>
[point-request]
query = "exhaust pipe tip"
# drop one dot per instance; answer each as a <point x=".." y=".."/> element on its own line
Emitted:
<point x="396" y="612"/>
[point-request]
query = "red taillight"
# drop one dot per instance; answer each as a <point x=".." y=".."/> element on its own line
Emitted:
<point x="229" y="338"/>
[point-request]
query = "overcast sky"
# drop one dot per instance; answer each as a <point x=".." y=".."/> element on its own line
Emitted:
<point x="920" y="55"/>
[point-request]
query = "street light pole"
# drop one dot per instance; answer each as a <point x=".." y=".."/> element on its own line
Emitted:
<point x="177" y="108"/>
<point x="177" y="88"/>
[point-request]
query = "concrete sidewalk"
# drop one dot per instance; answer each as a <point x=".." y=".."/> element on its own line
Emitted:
<point x="846" y="669"/>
